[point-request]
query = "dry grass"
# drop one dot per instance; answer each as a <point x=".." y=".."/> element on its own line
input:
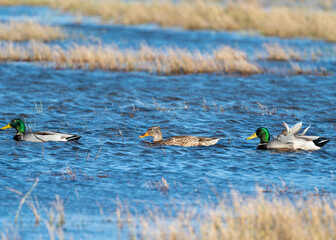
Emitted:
<point x="24" y="31"/>
<point x="278" y="21"/>
<point x="25" y="2"/>
<point x="275" y="216"/>
<point x="56" y="219"/>
<point x="296" y="69"/>
<point x="31" y="202"/>
<point x="161" y="185"/>
<point x="72" y="174"/>
<point x="154" y="60"/>
<point x="247" y="218"/>
<point x="265" y="111"/>
<point x="279" y="53"/>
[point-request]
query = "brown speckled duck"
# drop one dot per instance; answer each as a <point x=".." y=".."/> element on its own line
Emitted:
<point x="184" y="141"/>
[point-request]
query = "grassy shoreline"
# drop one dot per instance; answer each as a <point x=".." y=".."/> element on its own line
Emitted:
<point x="249" y="218"/>
<point x="164" y="61"/>
<point x="273" y="216"/>
<point x="25" y="31"/>
<point x="281" y="21"/>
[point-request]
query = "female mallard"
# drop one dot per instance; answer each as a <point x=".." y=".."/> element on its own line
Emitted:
<point x="289" y="139"/>
<point x="185" y="141"/>
<point x="42" y="136"/>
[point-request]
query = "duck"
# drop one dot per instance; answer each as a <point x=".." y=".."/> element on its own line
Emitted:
<point x="289" y="139"/>
<point x="41" y="136"/>
<point x="184" y="141"/>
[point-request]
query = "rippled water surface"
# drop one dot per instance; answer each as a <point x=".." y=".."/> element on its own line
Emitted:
<point x="111" y="110"/>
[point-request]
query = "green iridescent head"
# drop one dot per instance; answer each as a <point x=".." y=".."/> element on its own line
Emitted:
<point x="16" y="123"/>
<point x="261" y="133"/>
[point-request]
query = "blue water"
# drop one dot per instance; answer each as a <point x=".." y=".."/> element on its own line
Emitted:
<point x="110" y="110"/>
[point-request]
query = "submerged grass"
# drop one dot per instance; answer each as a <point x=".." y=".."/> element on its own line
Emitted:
<point x="25" y="31"/>
<point x="166" y="61"/>
<point x="278" y="21"/>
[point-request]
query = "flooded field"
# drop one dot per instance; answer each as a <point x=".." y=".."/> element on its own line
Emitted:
<point x="82" y="185"/>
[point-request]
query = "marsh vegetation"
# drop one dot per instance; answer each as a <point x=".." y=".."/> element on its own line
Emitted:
<point x="281" y="215"/>
<point x="25" y="31"/>
<point x="203" y="68"/>
<point x="166" y="61"/>
<point x="273" y="20"/>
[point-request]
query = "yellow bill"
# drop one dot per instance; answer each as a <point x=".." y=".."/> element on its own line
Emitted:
<point x="254" y="135"/>
<point x="145" y="135"/>
<point x="5" y="127"/>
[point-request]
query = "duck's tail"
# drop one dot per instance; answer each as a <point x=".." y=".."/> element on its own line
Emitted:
<point x="208" y="141"/>
<point x="321" y="141"/>
<point x="73" y="138"/>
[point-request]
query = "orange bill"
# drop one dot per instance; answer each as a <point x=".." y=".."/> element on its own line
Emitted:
<point x="254" y="135"/>
<point x="5" y="127"/>
<point x="145" y="135"/>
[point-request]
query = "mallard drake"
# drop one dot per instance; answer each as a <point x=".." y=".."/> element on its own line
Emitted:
<point x="185" y="141"/>
<point x="289" y="139"/>
<point x="42" y="136"/>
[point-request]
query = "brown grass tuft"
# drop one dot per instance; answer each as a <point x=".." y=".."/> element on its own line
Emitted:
<point x="24" y="31"/>
<point x="154" y="60"/>
<point x="278" y="21"/>
<point x="279" y="53"/>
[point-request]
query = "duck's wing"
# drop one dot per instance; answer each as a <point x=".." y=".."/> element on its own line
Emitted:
<point x="205" y="141"/>
<point x="309" y="143"/>
<point x="290" y="139"/>
<point x="185" y="141"/>
<point x="286" y="131"/>
<point x="292" y="143"/>
<point x="293" y="130"/>
<point x="281" y="142"/>
<point x="298" y="142"/>
<point x="307" y="138"/>
<point x="45" y="136"/>
<point x="286" y="139"/>
<point x="191" y="141"/>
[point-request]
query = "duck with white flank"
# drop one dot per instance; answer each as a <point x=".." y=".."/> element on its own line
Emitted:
<point x="289" y="139"/>
<point x="41" y="136"/>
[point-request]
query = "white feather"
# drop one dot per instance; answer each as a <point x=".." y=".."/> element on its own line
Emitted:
<point x="304" y="132"/>
<point x="289" y="139"/>
<point x="286" y="128"/>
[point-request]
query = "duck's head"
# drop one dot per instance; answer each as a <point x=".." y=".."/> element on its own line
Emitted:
<point x="154" y="132"/>
<point x="16" y="123"/>
<point x="261" y="133"/>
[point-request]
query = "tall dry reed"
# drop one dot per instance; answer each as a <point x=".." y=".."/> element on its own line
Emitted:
<point x="260" y="218"/>
<point x="278" y="21"/>
<point x="278" y="217"/>
<point x="166" y="61"/>
<point x="24" y="31"/>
